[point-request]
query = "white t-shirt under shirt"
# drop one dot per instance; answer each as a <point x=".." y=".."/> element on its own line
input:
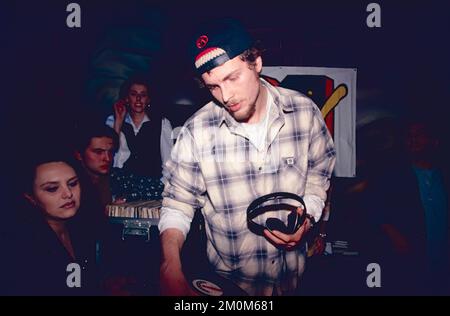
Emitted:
<point x="257" y="132"/>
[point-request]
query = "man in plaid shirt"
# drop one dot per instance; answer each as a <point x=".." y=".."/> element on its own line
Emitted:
<point x="253" y="139"/>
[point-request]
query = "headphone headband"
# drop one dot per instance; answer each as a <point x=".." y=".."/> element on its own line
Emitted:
<point x="256" y="208"/>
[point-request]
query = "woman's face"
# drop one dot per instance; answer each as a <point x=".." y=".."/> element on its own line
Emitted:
<point x="56" y="190"/>
<point x="138" y="98"/>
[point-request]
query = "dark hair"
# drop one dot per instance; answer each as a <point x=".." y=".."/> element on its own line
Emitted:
<point x="42" y="155"/>
<point x="155" y="110"/>
<point x="84" y="135"/>
<point x="250" y="55"/>
<point x="137" y="78"/>
<point x="29" y="215"/>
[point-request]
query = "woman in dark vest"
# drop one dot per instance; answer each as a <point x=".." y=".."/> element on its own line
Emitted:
<point x="143" y="147"/>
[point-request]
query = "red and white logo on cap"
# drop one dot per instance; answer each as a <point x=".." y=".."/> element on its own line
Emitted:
<point x="202" y="41"/>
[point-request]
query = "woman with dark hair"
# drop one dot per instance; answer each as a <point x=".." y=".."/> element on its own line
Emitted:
<point x="53" y="251"/>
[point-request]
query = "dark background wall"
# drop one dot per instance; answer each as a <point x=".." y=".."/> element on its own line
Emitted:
<point x="53" y="73"/>
<point x="52" y="61"/>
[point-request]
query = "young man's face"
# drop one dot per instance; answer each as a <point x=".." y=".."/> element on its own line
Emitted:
<point x="236" y="85"/>
<point x="97" y="157"/>
<point x="138" y="98"/>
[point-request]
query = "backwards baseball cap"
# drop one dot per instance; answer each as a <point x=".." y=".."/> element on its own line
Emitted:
<point x="218" y="41"/>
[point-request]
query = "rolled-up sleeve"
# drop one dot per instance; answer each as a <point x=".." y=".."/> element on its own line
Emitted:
<point x="171" y="218"/>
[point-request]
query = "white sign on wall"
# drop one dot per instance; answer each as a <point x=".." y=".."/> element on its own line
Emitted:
<point x="334" y="92"/>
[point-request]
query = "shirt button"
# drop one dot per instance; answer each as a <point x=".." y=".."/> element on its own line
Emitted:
<point x="273" y="261"/>
<point x="260" y="168"/>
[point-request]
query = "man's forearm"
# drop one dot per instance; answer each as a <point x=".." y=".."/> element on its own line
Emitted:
<point x="172" y="241"/>
<point x="172" y="279"/>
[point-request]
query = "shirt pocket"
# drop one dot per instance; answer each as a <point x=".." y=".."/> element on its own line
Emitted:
<point x="292" y="171"/>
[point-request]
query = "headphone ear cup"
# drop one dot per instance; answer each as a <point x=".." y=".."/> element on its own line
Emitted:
<point x="292" y="220"/>
<point x="295" y="221"/>
<point x="276" y="224"/>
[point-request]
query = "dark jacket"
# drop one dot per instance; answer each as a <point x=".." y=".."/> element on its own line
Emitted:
<point x="38" y="261"/>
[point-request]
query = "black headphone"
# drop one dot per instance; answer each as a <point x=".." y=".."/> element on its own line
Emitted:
<point x="257" y="208"/>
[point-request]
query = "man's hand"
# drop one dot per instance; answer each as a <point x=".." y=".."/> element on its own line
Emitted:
<point x="286" y="241"/>
<point x="173" y="282"/>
